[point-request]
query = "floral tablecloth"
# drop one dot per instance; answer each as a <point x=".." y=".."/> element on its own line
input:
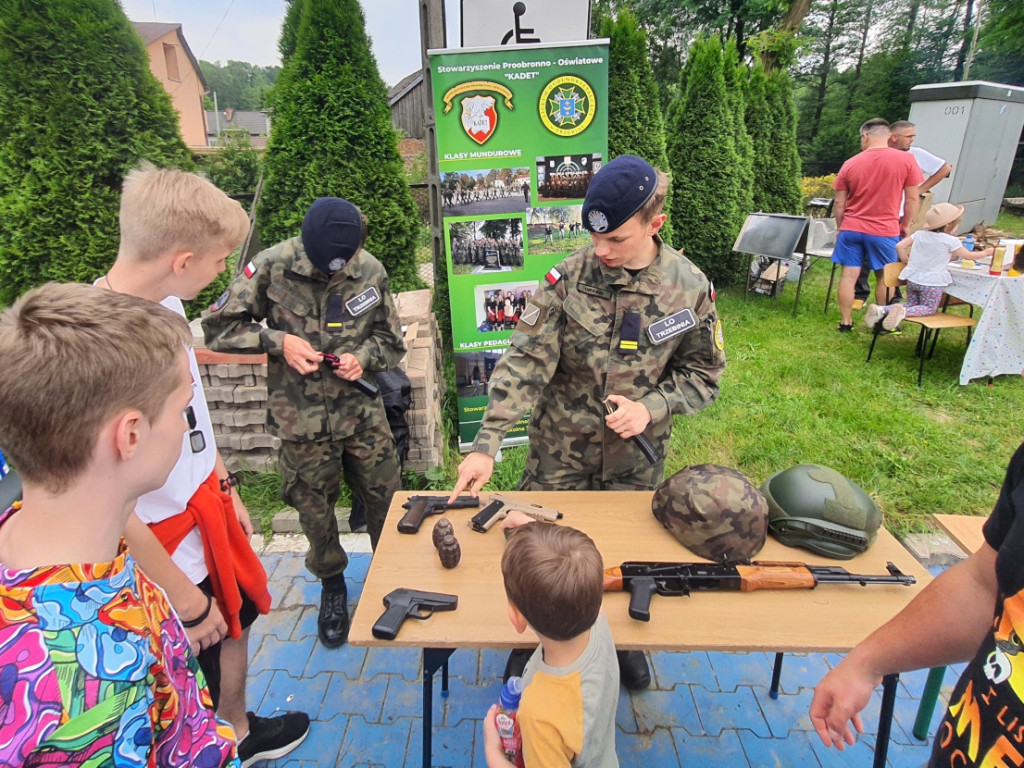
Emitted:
<point x="997" y="346"/>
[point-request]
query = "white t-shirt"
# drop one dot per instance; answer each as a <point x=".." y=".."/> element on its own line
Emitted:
<point x="929" y="258"/>
<point x="928" y="163"/>
<point x="188" y="474"/>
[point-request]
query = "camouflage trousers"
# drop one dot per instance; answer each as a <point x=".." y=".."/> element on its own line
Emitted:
<point x="544" y="472"/>
<point x="312" y="474"/>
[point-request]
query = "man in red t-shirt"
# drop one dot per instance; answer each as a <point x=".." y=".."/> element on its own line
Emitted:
<point x="869" y="189"/>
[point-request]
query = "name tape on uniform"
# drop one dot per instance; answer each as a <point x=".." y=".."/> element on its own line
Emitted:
<point x="364" y="301"/>
<point x="671" y="326"/>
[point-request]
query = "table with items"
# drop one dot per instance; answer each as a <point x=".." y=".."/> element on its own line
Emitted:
<point x="997" y="346"/>
<point x="828" y="618"/>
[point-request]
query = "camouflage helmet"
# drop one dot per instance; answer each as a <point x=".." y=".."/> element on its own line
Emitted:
<point x="817" y="508"/>
<point x="714" y="511"/>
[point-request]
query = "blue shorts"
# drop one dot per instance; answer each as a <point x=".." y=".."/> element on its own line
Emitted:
<point x="854" y="249"/>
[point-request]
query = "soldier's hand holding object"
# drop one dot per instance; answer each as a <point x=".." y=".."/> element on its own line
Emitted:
<point x="299" y="355"/>
<point x="474" y="472"/>
<point x="348" y="368"/>
<point x="629" y="418"/>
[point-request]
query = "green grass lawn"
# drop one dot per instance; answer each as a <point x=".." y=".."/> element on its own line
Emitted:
<point x="796" y="391"/>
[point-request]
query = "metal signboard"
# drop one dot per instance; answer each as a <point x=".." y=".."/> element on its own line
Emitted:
<point x="519" y="22"/>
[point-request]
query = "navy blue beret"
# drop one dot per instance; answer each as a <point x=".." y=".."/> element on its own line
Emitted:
<point x="617" y="192"/>
<point x="331" y="233"/>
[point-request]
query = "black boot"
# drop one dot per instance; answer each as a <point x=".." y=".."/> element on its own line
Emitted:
<point x="633" y="670"/>
<point x="516" y="664"/>
<point x="332" y="623"/>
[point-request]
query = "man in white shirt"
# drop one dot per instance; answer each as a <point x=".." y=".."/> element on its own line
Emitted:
<point x="935" y="169"/>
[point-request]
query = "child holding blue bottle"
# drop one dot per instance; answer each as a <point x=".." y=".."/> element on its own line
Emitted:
<point x="554" y="579"/>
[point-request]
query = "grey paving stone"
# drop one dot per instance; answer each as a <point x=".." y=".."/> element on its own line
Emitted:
<point x="720" y="711"/>
<point x="354" y="697"/>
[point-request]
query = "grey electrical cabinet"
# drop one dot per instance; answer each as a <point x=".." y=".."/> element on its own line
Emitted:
<point x="975" y="127"/>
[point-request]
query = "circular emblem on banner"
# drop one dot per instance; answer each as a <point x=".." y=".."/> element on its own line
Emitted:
<point x="598" y="221"/>
<point x="567" y="105"/>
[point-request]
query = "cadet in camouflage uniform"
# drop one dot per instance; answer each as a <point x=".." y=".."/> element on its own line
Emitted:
<point x="625" y="320"/>
<point x="321" y="293"/>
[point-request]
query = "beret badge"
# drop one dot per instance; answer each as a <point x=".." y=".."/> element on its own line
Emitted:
<point x="598" y="221"/>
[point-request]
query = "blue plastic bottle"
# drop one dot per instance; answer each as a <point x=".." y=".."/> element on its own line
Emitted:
<point x="969" y="242"/>
<point x="508" y="724"/>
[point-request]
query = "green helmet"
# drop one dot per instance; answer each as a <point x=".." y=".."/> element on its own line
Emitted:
<point x="815" y="507"/>
<point x="714" y="511"/>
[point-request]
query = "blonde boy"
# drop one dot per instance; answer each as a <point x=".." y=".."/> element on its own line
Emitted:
<point x="554" y="582"/>
<point x="96" y="666"/>
<point x="177" y="231"/>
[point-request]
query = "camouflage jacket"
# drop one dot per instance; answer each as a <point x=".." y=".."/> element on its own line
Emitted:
<point x="352" y="311"/>
<point x="592" y="333"/>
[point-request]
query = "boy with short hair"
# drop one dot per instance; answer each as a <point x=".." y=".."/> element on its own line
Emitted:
<point x="177" y="231"/>
<point x="95" y="665"/>
<point x="554" y="579"/>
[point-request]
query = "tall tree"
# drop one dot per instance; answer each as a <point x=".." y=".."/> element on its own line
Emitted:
<point x="827" y="39"/>
<point x="635" y="122"/>
<point x="705" y="165"/>
<point x="238" y="84"/>
<point x="673" y="25"/>
<point x="1001" y="55"/>
<point x="783" y="179"/>
<point x="79" y="108"/>
<point x="735" y="75"/>
<point x="332" y="136"/>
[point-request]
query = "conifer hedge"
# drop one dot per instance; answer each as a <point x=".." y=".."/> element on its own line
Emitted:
<point x="707" y="167"/>
<point x="784" y="181"/>
<point x="736" y="74"/>
<point x="759" y="120"/>
<point x="332" y="136"/>
<point x="79" y="107"/>
<point x="635" y="122"/>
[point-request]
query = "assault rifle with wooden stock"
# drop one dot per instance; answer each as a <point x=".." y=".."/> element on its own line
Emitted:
<point x="643" y="579"/>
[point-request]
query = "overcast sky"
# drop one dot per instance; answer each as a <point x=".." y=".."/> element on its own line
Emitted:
<point x="248" y="30"/>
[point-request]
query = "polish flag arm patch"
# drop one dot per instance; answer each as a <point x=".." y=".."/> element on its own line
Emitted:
<point x="250" y="269"/>
<point x="553" y="276"/>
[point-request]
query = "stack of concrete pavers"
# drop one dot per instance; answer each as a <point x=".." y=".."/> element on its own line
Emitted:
<point x="423" y="366"/>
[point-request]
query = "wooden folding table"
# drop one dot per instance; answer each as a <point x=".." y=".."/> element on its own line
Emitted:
<point x="829" y="618"/>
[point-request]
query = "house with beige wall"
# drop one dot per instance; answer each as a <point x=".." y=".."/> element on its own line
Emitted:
<point x="172" y="62"/>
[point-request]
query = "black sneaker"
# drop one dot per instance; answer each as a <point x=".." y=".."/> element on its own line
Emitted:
<point x="270" y="738"/>
<point x="846" y="328"/>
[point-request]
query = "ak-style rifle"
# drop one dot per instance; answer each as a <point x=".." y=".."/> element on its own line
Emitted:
<point x="643" y="579"/>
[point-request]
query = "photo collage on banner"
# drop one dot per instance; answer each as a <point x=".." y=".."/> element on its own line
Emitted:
<point x="520" y="133"/>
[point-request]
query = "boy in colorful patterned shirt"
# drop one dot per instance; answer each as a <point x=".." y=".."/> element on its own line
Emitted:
<point x="95" y="667"/>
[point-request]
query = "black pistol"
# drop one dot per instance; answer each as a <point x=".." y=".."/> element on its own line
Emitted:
<point x="401" y="604"/>
<point x="421" y="507"/>
<point x="367" y="388"/>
